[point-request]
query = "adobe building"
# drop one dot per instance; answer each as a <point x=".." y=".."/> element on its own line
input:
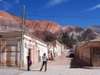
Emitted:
<point x="55" y="49"/>
<point x="89" y="52"/>
<point x="15" y="44"/>
<point x="14" y="48"/>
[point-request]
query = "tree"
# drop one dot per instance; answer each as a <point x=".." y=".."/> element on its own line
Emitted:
<point x="49" y="36"/>
<point x="88" y="34"/>
<point x="65" y="39"/>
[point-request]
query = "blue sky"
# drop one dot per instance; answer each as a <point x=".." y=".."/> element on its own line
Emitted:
<point x="75" y="12"/>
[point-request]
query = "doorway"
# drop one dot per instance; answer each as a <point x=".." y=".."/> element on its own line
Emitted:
<point x="95" y="56"/>
<point x="9" y="54"/>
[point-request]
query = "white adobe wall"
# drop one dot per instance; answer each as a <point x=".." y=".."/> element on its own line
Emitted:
<point x="59" y="49"/>
<point x="27" y="43"/>
<point x="42" y="47"/>
<point x="51" y="48"/>
<point x="38" y="45"/>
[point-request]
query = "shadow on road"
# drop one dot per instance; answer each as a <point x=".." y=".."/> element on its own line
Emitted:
<point x="35" y="70"/>
<point x="30" y="70"/>
<point x="76" y="63"/>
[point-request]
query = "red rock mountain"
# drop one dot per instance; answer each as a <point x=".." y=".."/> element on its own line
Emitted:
<point x="41" y="28"/>
<point x="7" y="19"/>
<point x="38" y="26"/>
<point x="35" y="25"/>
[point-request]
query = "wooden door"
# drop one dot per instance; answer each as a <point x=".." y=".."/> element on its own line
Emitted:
<point x="96" y="57"/>
<point x="12" y="56"/>
<point x="2" y="52"/>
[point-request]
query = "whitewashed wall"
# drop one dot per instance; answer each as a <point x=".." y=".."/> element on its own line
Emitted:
<point x="28" y="43"/>
<point x="35" y="45"/>
<point x="59" y="48"/>
<point x="42" y="47"/>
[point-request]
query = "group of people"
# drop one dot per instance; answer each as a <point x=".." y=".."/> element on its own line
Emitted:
<point x="44" y="61"/>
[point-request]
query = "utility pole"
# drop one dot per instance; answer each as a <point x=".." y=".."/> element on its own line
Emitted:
<point x="23" y="15"/>
<point x="22" y="35"/>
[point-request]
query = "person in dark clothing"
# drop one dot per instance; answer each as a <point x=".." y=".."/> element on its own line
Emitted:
<point x="29" y="62"/>
<point x="44" y="62"/>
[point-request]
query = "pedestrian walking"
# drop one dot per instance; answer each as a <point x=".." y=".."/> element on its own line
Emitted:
<point x="44" y="62"/>
<point x="29" y="61"/>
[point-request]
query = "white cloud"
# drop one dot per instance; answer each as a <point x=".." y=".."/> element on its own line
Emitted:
<point x="5" y="5"/>
<point x="94" y="7"/>
<point x="55" y="2"/>
<point x="1" y="0"/>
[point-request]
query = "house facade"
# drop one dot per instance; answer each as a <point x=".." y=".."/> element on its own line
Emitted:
<point x="89" y="52"/>
<point x="55" y="49"/>
<point x="15" y="43"/>
<point x="14" y="49"/>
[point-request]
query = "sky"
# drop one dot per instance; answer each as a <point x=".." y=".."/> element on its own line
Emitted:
<point x="82" y="13"/>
